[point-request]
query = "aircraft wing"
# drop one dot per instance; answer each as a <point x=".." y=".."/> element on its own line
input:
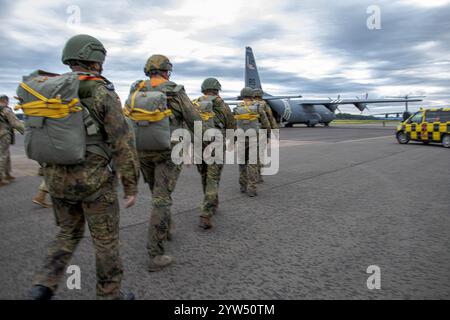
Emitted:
<point x="361" y="104"/>
<point x="266" y="97"/>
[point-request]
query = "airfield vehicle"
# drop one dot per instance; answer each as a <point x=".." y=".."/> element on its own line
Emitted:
<point x="431" y="125"/>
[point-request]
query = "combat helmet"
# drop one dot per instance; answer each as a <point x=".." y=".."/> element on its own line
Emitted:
<point x="211" y="84"/>
<point x="83" y="47"/>
<point x="157" y="62"/>
<point x="258" y="93"/>
<point x="247" y="92"/>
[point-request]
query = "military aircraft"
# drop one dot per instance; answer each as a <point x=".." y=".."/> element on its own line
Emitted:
<point x="289" y="110"/>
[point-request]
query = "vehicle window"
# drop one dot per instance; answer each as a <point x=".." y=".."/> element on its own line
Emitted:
<point x="445" y="116"/>
<point x="417" y="118"/>
<point x="433" y="116"/>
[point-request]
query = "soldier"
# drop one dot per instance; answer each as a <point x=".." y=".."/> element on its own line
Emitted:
<point x="87" y="191"/>
<point x="157" y="167"/>
<point x="249" y="114"/>
<point x="217" y="114"/>
<point x="257" y="96"/>
<point x="8" y="122"/>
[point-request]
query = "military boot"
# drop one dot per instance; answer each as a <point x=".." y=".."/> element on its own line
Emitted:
<point x="205" y="223"/>
<point x="40" y="200"/>
<point x="243" y="189"/>
<point x="39" y="292"/>
<point x="10" y="177"/>
<point x="3" y="182"/>
<point x="251" y="193"/>
<point x="126" y="296"/>
<point x="159" y="262"/>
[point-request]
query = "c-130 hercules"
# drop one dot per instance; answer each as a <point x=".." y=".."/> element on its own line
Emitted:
<point x="309" y="112"/>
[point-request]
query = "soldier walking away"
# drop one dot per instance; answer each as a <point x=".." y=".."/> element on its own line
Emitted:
<point x="249" y="114"/>
<point x="156" y="108"/>
<point x="258" y="97"/>
<point x="217" y="114"/>
<point x="85" y="113"/>
<point x="8" y="123"/>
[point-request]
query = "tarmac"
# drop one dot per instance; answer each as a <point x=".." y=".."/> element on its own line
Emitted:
<point x="345" y="198"/>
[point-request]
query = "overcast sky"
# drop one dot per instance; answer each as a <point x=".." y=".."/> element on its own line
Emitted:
<point x="314" y="48"/>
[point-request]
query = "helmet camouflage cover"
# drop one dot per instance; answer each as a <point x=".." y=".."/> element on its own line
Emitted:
<point x="157" y="62"/>
<point x="211" y="84"/>
<point x="258" y="92"/>
<point x="83" y="47"/>
<point x="247" y="92"/>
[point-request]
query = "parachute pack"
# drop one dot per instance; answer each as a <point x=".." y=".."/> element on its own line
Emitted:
<point x="247" y="116"/>
<point x="58" y="128"/>
<point x="148" y="110"/>
<point x="205" y="107"/>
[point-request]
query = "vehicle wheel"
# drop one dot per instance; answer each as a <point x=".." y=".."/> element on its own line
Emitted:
<point x="446" y="141"/>
<point x="402" y="137"/>
<point x="288" y="125"/>
<point x="326" y="124"/>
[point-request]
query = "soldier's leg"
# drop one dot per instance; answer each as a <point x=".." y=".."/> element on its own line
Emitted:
<point x="166" y="176"/>
<point x="252" y="178"/>
<point x="172" y="185"/>
<point x="211" y="200"/>
<point x="4" y="147"/>
<point x="103" y="220"/>
<point x="69" y="217"/>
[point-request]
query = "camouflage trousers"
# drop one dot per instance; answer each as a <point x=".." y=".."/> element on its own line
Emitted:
<point x="248" y="173"/>
<point x="5" y="156"/>
<point x="210" y="175"/>
<point x="102" y="218"/>
<point x="161" y="174"/>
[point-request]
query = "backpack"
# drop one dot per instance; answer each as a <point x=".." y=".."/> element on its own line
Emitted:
<point x="58" y="128"/>
<point x="149" y="113"/>
<point x="247" y="116"/>
<point x="205" y="107"/>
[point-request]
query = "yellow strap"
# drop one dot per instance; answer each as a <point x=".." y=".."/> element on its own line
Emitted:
<point x="144" y="115"/>
<point x="247" y="116"/>
<point x="140" y="86"/>
<point x="50" y="108"/>
<point x="204" y="115"/>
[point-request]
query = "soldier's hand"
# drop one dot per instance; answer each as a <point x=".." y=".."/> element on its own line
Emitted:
<point x="130" y="201"/>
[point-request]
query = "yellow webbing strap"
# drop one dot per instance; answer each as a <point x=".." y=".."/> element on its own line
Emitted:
<point x="204" y="115"/>
<point x="49" y="108"/>
<point x="247" y="116"/>
<point x="137" y="114"/>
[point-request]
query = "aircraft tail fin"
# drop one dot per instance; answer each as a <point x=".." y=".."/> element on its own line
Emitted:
<point x="251" y="71"/>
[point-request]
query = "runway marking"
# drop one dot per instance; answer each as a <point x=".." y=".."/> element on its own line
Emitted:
<point x="365" y="139"/>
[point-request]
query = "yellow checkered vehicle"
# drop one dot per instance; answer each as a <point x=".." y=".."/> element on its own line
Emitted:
<point x="432" y="125"/>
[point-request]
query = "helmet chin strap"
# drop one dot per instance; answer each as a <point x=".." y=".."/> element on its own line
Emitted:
<point x="90" y="67"/>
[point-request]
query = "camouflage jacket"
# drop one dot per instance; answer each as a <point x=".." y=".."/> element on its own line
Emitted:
<point x="89" y="179"/>
<point x="184" y="114"/>
<point x="9" y="122"/>
<point x="269" y="113"/>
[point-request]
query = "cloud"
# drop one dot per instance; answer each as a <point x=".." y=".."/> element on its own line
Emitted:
<point x="316" y="48"/>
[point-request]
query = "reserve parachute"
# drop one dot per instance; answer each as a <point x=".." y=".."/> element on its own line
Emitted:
<point x="148" y="111"/>
<point x="58" y="128"/>
<point x="247" y="116"/>
<point x="205" y="107"/>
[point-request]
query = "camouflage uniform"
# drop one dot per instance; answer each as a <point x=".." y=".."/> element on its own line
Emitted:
<point x="248" y="173"/>
<point x="87" y="191"/>
<point x="273" y="125"/>
<point x="8" y="122"/>
<point x="210" y="174"/>
<point x="158" y="169"/>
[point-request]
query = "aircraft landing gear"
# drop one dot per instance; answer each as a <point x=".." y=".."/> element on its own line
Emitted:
<point x="326" y="124"/>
